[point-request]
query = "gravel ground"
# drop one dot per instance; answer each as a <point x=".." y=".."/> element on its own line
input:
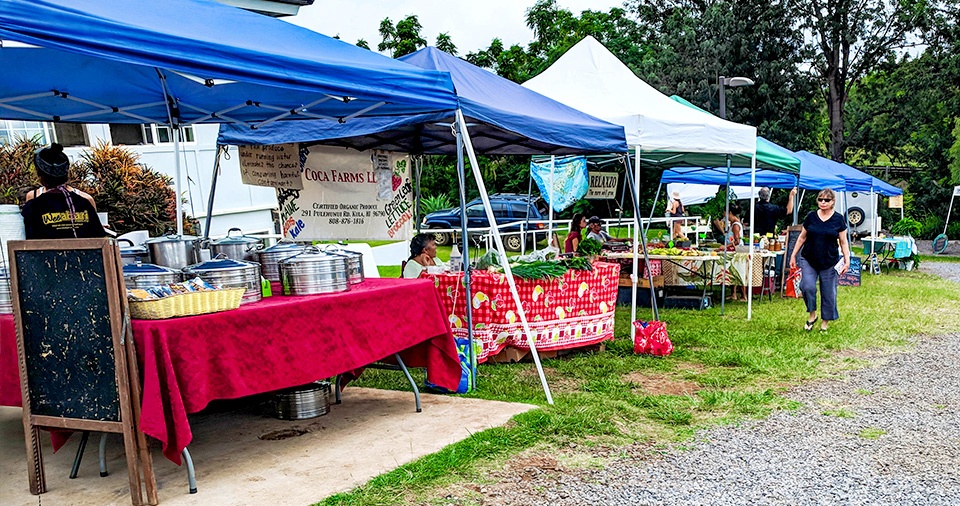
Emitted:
<point x="887" y="434"/>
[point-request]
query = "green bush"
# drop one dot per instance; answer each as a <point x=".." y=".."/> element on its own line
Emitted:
<point x="932" y="226"/>
<point x="907" y="226"/>
<point x="434" y="203"/>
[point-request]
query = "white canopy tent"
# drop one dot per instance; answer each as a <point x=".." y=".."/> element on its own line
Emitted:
<point x="661" y="131"/>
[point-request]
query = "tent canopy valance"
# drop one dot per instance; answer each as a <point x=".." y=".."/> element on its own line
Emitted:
<point x="116" y="61"/>
<point x="503" y="118"/>
<point x="590" y="78"/>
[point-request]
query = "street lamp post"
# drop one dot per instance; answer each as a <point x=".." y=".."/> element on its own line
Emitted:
<point x="722" y="83"/>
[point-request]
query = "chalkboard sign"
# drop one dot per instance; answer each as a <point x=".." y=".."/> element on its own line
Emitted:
<point x="852" y="277"/>
<point x="68" y="340"/>
<point x="72" y="347"/>
<point x="793" y="233"/>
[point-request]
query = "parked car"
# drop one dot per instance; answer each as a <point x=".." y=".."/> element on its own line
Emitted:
<point x="507" y="208"/>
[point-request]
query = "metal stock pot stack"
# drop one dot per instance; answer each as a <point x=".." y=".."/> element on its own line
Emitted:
<point x="145" y="275"/>
<point x="230" y="273"/>
<point x="237" y="247"/>
<point x="314" y="271"/>
<point x="354" y="263"/>
<point x="270" y="257"/>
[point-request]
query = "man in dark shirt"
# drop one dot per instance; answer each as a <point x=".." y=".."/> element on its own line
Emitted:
<point x="767" y="214"/>
<point x="58" y="212"/>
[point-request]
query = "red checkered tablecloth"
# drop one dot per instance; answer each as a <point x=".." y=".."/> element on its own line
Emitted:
<point x="570" y="312"/>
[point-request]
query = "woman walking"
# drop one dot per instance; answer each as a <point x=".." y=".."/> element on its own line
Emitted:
<point x="824" y="233"/>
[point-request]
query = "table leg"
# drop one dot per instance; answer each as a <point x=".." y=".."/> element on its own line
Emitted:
<point x="79" y="457"/>
<point x="413" y="384"/>
<point x="191" y="474"/>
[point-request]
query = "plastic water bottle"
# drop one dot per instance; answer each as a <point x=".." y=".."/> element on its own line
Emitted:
<point x="456" y="259"/>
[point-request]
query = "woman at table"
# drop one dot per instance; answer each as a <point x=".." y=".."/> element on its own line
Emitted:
<point x="674" y="210"/>
<point x="823" y="237"/>
<point x="423" y="254"/>
<point x="57" y="211"/>
<point x="577" y="224"/>
<point x="733" y="235"/>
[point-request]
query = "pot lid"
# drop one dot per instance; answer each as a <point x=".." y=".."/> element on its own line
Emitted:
<point x="312" y="255"/>
<point x="148" y="269"/>
<point x="336" y="250"/>
<point x="171" y="238"/>
<point x="281" y="247"/>
<point x="219" y="264"/>
<point x="235" y="239"/>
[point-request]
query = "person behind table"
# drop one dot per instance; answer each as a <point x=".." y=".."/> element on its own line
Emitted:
<point x="595" y="225"/>
<point x="823" y="237"/>
<point x="57" y="212"/>
<point x="577" y="224"/>
<point x="734" y="234"/>
<point x="423" y="254"/>
<point x="675" y="209"/>
<point x="768" y="214"/>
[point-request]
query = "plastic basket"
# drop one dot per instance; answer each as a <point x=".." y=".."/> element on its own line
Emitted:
<point x="186" y="304"/>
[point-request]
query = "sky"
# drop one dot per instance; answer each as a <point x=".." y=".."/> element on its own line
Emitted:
<point x="470" y="24"/>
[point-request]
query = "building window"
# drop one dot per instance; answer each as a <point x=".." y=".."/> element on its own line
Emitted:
<point x="13" y="130"/>
<point x="134" y="135"/>
<point x="71" y="134"/>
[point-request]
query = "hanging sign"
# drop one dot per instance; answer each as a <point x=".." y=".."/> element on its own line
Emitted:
<point x="603" y="185"/>
<point x="275" y="165"/>
<point x="895" y="202"/>
<point x="350" y="194"/>
<point x="562" y="181"/>
<point x="956" y="191"/>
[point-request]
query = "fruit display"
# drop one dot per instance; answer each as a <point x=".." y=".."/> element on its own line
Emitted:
<point x="674" y="252"/>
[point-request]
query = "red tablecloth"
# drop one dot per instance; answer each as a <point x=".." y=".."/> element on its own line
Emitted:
<point x="570" y="312"/>
<point x="282" y="342"/>
<point x="9" y="374"/>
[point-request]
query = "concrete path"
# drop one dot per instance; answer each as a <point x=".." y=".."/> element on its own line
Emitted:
<point x="243" y="456"/>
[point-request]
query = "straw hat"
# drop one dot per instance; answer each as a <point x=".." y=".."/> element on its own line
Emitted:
<point x="675" y="194"/>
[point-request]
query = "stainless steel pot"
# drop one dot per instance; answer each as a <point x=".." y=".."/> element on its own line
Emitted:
<point x="143" y="275"/>
<point x="312" y="272"/>
<point x="270" y="257"/>
<point x="230" y="273"/>
<point x="237" y="247"/>
<point x="354" y="263"/>
<point x="304" y="402"/>
<point x="132" y="254"/>
<point x="174" y="251"/>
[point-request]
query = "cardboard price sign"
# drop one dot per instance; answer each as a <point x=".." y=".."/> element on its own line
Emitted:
<point x="277" y="165"/>
<point x="603" y="185"/>
<point x="895" y="202"/>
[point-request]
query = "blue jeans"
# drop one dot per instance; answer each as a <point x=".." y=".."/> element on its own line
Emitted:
<point x="829" y="279"/>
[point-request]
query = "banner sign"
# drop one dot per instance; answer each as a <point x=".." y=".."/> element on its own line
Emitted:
<point x="277" y="165"/>
<point x="603" y="185"/>
<point x="895" y="202"/>
<point x="349" y="194"/>
<point x="567" y="175"/>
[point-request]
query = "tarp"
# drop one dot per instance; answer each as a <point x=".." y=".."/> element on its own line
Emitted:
<point x="590" y="78"/>
<point x="503" y="118"/>
<point x="122" y="61"/>
<point x="821" y="172"/>
<point x="769" y="155"/>
<point x="563" y="181"/>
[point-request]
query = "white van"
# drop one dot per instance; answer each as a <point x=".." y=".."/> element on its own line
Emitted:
<point x="859" y="211"/>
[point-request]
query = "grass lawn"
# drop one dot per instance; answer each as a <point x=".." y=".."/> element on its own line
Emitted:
<point x="723" y="369"/>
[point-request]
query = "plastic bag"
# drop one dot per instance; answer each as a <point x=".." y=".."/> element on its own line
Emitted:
<point x="792" y="288"/>
<point x="468" y="368"/>
<point x="652" y="339"/>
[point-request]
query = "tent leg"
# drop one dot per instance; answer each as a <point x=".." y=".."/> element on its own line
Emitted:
<point x="653" y="206"/>
<point x="213" y="191"/>
<point x="635" y="192"/>
<point x="461" y="176"/>
<point x="749" y="280"/>
<point x="465" y="135"/>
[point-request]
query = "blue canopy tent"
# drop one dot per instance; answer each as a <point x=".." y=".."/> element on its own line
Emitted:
<point x="496" y="116"/>
<point x="885" y="189"/>
<point x="854" y="180"/>
<point x="181" y="62"/>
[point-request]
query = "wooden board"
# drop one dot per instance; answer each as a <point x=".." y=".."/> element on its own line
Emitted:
<point x="73" y="347"/>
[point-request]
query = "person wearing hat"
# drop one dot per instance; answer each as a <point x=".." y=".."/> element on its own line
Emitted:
<point x="675" y="209"/>
<point x="56" y="211"/>
<point x="595" y="225"/>
<point x="767" y="214"/>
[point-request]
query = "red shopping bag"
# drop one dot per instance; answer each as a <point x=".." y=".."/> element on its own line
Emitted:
<point x="651" y="339"/>
<point x="792" y="288"/>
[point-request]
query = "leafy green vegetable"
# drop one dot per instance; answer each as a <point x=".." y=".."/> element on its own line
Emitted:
<point x="578" y="263"/>
<point x="589" y="247"/>
<point x="539" y="270"/>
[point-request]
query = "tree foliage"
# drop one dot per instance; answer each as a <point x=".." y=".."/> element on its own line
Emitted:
<point x="402" y="39"/>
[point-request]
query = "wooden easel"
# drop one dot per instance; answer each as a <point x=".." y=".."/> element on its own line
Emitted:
<point x="77" y="361"/>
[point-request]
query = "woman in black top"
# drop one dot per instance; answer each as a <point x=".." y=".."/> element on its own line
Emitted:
<point x="824" y="233"/>
<point x="58" y="212"/>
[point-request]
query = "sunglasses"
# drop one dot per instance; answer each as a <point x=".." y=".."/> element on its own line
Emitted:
<point x="824" y="200"/>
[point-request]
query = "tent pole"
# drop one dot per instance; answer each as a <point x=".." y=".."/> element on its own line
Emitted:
<point x="503" y="254"/>
<point x="553" y="165"/>
<point x="213" y="191"/>
<point x="175" y="130"/>
<point x="750" y="255"/>
<point x="417" y="172"/>
<point x="796" y="204"/>
<point x="726" y="230"/>
<point x="653" y="206"/>
<point x="526" y="224"/>
<point x="465" y="258"/>
<point x="632" y="178"/>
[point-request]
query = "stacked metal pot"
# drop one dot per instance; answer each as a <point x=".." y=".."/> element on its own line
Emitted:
<point x="314" y="271"/>
<point x="140" y="275"/>
<point x="270" y="258"/>
<point x="230" y="273"/>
